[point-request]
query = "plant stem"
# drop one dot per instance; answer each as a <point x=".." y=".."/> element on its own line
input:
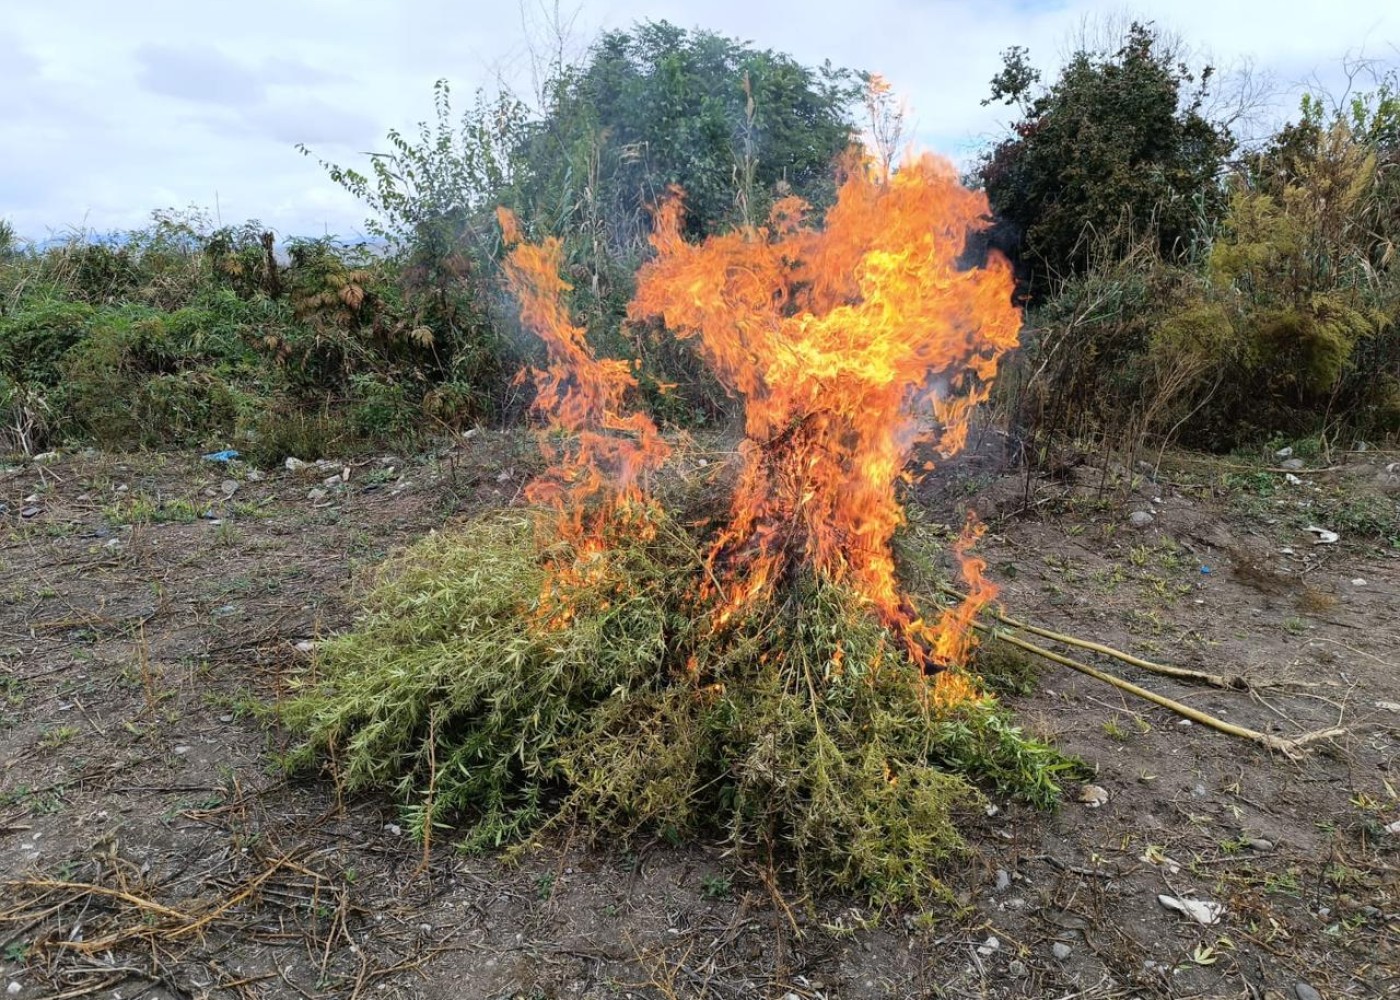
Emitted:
<point x="1291" y="748"/>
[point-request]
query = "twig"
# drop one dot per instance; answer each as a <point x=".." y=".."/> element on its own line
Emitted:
<point x="1233" y="682"/>
<point x="1291" y="748"/>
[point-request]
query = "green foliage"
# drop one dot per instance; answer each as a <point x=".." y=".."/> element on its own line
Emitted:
<point x="1116" y="150"/>
<point x="456" y="690"/>
<point x="1286" y="324"/>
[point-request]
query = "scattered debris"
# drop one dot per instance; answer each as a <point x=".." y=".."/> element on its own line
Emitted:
<point x="229" y="486"/>
<point x="1389" y="706"/>
<point x="1093" y="796"/>
<point x="1061" y="950"/>
<point x="988" y="946"/>
<point x="1284" y="452"/>
<point x="1202" y="911"/>
<point x="316" y="494"/>
<point x="1324" y="537"/>
<point x="225" y="456"/>
<point x="1358" y="581"/>
<point x="1140" y="518"/>
<point x="294" y="464"/>
<point x="1294" y="463"/>
<point x="1292" y="480"/>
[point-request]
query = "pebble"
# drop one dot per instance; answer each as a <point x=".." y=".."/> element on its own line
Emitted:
<point x="1293" y="463"/>
<point x="1303" y="991"/>
<point x="1140" y="518"/>
<point x="229" y="486"/>
<point x="1199" y="791"/>
<point x="225" y="718"/>
<point x="293" y="464"/>
<point x="29" y="512"/>
<point x="316" y="494"/>
<point x="182" y="750"/>
<point x="1003" y="880"/>
<point x="1061" y="950"/>
<point x="13" y="988"/>
<point x="987" y="947"/>
<point x="1017" y="969"/>
<point x="1261" y="845"/>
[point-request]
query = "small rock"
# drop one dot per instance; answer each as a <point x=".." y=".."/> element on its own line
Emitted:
<point x="294" y="464"/>
<point x="1003" y="880"/>
<point x="13" y="988"/>
<point x="1199" y="791"/>
<point x="29" y="512"/>
<point x="306" y="646"/>
<point x="316" y="494"/>
<point x="225" y="718"/>
<point x="1358" y="582"/>
<point x="988" y="946"/>
<point x="1284" y="453"/>
<point x="1017" y="969"/>
<point x="45" y="458"/>
<point x="229" y="486"/>
<point x="1093" y="796"/>
<point x="1294" y="463"/>
<point x="1260" y="844"/>
<point x="393" y="829"/>
<point x="334" y="480"/>
<point x="113" y="545"/>
<point x="1393" y="828"/>
<point x="1304" y="991"/>
<point x="256" y="475"/>
<point x="1292" y="480"/>
<point x="182" y="750"/>
<point x="1061" y="950"/>
<point x="1140" y="518"/>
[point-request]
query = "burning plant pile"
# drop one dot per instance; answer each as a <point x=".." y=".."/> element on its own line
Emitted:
<point x="761" y="671"/>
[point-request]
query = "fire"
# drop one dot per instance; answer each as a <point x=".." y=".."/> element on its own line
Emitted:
<point x="597" y="482"/>
<point x="849" y="345"/>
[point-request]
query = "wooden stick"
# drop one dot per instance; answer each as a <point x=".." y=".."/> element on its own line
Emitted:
<point x="1232" y="682"/>
<point x="1291" y="748"/>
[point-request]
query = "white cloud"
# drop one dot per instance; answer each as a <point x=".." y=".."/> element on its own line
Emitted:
<point x="108" y="111"/>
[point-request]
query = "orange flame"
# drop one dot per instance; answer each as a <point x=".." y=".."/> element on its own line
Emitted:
<point x="842" y="342"/>
<point x="598" y="481"/>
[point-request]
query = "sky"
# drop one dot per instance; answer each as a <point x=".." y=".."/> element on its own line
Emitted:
<point x="109" y="111"/>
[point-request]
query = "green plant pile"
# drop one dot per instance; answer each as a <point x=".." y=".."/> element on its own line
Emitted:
<point x="801" y="733"/>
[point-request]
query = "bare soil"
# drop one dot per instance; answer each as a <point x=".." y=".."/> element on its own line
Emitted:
<point x="153" y="606"/>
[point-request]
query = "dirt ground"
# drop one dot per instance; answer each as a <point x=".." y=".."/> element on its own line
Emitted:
<point x="151" y="606"/>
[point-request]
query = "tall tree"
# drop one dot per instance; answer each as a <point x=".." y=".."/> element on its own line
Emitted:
<point x="1118" y="148"/>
